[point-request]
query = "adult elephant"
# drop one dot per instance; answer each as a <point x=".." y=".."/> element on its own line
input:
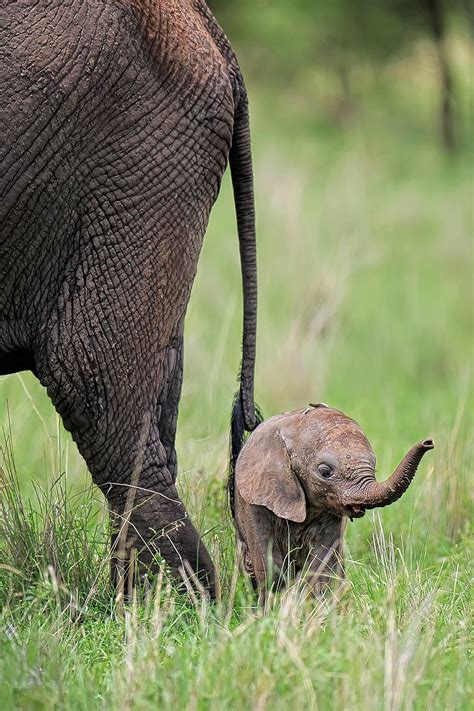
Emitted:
<point x="118" y="119"/>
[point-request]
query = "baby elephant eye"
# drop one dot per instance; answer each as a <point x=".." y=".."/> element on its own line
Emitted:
<point x="325" y="471"/>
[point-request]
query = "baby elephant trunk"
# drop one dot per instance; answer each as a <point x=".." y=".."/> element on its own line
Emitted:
<point x="386" y="492"/>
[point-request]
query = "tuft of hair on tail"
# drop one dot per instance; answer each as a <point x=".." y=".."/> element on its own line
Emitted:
<point x="238" y="435"/>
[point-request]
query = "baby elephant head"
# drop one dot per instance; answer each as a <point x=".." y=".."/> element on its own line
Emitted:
<point x="321" y="460"/>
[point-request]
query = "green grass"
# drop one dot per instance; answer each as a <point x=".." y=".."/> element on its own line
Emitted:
<point x="366" y="286"/>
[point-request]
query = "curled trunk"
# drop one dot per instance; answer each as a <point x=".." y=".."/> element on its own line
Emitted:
<point x="386" y="492"/>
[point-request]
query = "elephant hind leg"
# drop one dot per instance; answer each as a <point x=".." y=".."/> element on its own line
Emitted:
<point x="150" y="519"/>
<point x="111" y="408"/>
<point x="169" y="400"/>
<point x="154" y="526"/>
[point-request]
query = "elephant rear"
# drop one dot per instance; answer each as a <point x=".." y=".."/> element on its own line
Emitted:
<point x="118" y="121"/>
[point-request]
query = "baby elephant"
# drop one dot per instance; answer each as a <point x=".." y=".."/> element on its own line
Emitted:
<point x="298" y="478"/>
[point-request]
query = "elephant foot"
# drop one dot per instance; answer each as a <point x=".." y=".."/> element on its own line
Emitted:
<point x="145" y="541"/>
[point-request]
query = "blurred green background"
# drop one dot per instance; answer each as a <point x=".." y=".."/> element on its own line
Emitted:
<point x="363" y="146"/>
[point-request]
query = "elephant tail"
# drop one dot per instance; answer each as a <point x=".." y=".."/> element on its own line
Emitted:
<point x="242" y="180"/>
<point x="245" y="413"/>
<point x="237" y="439"/>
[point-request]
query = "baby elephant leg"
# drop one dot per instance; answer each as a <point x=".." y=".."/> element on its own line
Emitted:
<point x="323" y="568"/>
<point x="260" y="553"/>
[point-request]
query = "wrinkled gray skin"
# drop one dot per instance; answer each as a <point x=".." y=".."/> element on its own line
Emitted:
<point x="118" y="118"/>
<point x="298" y="478"/>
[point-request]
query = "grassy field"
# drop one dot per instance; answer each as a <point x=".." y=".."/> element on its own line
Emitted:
<point x="366" y="271"/>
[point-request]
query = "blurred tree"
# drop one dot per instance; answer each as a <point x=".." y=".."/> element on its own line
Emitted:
<point x="282" y="38"/>
<point x="435" y="13"/>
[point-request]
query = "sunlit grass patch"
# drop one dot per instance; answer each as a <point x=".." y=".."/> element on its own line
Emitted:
<point x="54" y="540"/>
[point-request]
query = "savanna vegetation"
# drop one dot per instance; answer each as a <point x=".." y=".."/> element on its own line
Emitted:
<point x="366" y="285"/>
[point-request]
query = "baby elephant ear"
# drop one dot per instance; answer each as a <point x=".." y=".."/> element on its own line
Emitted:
<point x="264" y="476"/>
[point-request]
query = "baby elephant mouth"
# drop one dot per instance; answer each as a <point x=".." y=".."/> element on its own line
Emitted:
<point x="355" y="511"/>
